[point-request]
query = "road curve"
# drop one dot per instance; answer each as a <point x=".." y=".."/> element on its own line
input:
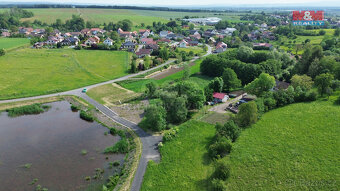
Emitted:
<point x="149" y="142"/>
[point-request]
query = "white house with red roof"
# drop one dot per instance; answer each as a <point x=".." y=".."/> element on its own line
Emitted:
<point x="221" y="47"/>
<point x="146" y="41"/>
<point x="183" y="44"/>
<point x="220" y="97"/>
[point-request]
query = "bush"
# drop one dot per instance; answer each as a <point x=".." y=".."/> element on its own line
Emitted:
<point x="74" y="108"/>
<point x="311" y="96"/>
<point x="2" y="52"/>
<point x="154" y="118"/>
<point x="86" y="116"/>
<point x="247" y="114"/>
<point x="113" y="131"/>
<point x="230" y="130"/>
<point x="220" y="148"/>
<point x="218" y="185"/>
<point x="337" y="101"/>
<point x="170" y="134"/>
<point x="121" y="146"/>
<point x="222" y="170"/>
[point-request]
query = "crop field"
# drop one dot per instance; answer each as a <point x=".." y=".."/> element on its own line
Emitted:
<point x="30" y="72"/>
<point x="12" y="43"/>
<point x="290" y="148"/>
<point x="185" y="164"/>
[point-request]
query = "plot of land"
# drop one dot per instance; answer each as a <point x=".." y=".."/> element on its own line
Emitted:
<point x="185" y="164"/>
<point x="291" y="148"/>
<point x="11" y="43"/>
<point x="29" y="72"/>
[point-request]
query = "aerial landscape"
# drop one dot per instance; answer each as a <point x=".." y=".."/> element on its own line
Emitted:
<point x="169" y="95"/>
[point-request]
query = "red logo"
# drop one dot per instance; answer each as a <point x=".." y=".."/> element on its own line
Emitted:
<point x="308" y="16"/>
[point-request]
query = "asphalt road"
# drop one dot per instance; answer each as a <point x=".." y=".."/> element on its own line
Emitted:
<point x="149" y="142"/>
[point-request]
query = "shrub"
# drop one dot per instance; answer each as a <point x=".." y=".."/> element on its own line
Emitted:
<point x="337" y="101"/>
<point x="74" y="108"/>
<point x="116" y="163"/>
<point x="220" y="148"/>
<point x="86" y="116"/>
<point x="230" y="130"/>
<point x="218" y="185"/>
<point x="154" y="118"/>
<point x="121" y="146"/>
<point x="113" y="131"/>
<point x="222" y="170"/>
<point x="170" y="134"/>
<point x="311" y="96"/>
<point x="247" y="114"/>
<point x="2" y="52"/>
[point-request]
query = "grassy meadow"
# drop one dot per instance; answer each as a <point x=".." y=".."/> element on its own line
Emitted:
<point x="185" y="164"/>
<point x="12" y="43"/>
<point x="30" y="72"/>
<point x="139" y="85"/>
<point x="290" y="148"/>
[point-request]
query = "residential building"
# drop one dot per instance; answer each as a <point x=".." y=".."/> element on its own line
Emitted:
<point x="108" y="42"/>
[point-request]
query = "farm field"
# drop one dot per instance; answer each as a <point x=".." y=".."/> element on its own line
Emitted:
<point x="185" y="164"/>
<point x="139" y="85"/>
<point x="294" y="147"/>
<point x="96" y="15"/>
<point x="12" y="43"/>
<point x="30" y="72"/>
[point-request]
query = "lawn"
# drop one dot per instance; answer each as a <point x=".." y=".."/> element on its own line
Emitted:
<point x="185" y="164"/>
<point x="195" y="50"/>
<point x="111" y="94"/>
<point x="12" y="43"/>
<point x="30" y="72"/>
<point x="291" y="148"/>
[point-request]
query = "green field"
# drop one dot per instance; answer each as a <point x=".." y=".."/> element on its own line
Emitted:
<point x="291" y="148"/>
<point x="96" y="15"/>
<point x="185" y="164"/>
<point x="29" y="72"/>
<point x="12" y="43"/>
<point x="139" y="85"/>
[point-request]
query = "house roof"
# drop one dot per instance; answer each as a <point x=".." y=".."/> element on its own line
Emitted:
<point x="108" y="39"/>
<point x="129" y="43"/>
<point x="263" y="44"/>
<point x="221" y="45"/>
<point x="147" y="40"/>
<point x="219" y="95"/>
<point x="144" y="51"/>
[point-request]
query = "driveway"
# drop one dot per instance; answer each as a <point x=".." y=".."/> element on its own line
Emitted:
<point x="220" y="108"/>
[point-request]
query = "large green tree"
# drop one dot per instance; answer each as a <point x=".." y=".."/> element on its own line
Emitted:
<point x="263" y="83"/>
<point x="154" y="118"/>
<point x="323" y="82"/>
<point x="247" y="114"/>
<point x="230" y="79"/>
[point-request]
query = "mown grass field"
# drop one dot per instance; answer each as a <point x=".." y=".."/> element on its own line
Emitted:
<point x="139" y="85"/>
<point x="111" y="94"/>
<point x="185" y="164"/>
<point x="30" y="72"/>
<point x="291" y="148"/>
<point x="195" y="50"/>
<point x="12" y="43"/>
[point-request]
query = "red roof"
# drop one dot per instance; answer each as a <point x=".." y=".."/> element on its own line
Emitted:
<point x="147" y="40"/>
<point x="219" y="95"/>
<point x="143" y="52"/>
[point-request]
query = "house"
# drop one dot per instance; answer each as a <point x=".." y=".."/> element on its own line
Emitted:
<point x="74" y="40"/>
<point x="152" y="46"/>
<point x="144" y="33"/>
<point x="66" y="42"/>
<point x="229" y="31"/>
<point x="220" y="97"/>
<point x="108" y="42"/>
<point x="124" y="34"/>
<point x="38" y="45"/>
<point x="262" y="46"/>
<point x="163" y="40"/>
<point x="96" y="31"/>
<point x="164" y="34"/>
<point x="221" y="47"/>
<point x="281" y="85"/>
<point x="25" y="31"/>
<point x="85" y="32"/>
<point x="5" y="34"/>
<point x="147" y="41"/>
<point x="128" y="45"/>
<point x="52" y="41"/>
<point x="183" y="44"/>
<point x="264" y="25"/>
<point x="143" y="52"/>
<point x="193" y="43"/>
<point x="92" y="40"/>
<point x="196" y="36"/>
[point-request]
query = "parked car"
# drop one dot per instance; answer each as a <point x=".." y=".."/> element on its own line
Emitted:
<point x="84" y="90"/>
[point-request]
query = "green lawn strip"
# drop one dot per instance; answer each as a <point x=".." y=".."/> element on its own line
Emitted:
<point x="185" y="164"/>
<point x="293" y="147"/>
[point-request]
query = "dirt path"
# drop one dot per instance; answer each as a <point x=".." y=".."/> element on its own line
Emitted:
<point x="171" y="70"/>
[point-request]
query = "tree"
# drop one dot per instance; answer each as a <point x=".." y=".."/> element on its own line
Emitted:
<point x="271" y="66"/>
<point x="194" y="94"/>
<point x="222" y="171"/>
<point x="154" y="118"/>
<point x="186" y="72"/>
<point x="151" y="88"/>
<point x="164" y="54"/>
<point x="218" y="185"/>
<point x="229" y="130"/>
<point x="175" y="107"/>
<point x="216" y="84"/>
<point x="230" y="79"/>
<point x="244" y="53"/>
<point x="337" y="32"/>
<point x="263" y="83"/>
<point x="305" y="82"/>
<point x="2" y="52"/>
<point x="323" y="82"/>
<point x="133" y="67"/>
<point x="322" y="32"/>
<point x="247" y="114"/>
<point x="220" y="148"/>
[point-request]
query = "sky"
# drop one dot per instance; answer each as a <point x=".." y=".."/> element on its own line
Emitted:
<point x="187" y="2"/>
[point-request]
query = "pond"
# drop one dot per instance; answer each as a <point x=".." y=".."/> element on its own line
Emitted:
<point x="51" y="146"/>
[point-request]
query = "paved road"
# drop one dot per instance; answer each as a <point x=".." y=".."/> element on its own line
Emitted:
<point x="150" y="151"/>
